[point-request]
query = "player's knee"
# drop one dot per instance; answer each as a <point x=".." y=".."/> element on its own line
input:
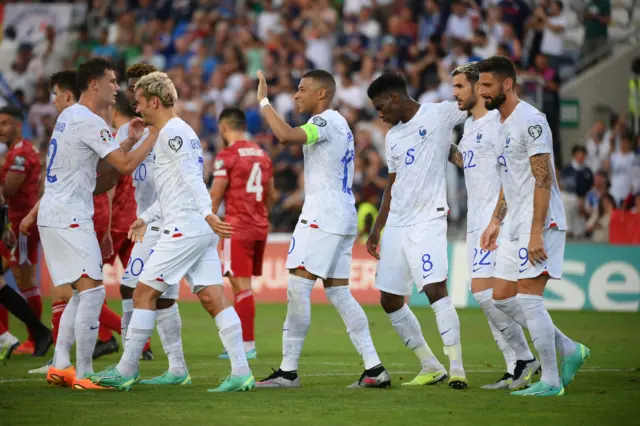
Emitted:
<point x="503" y="289"/>
<point x="435" y="291"/>
<point x="391" y="302"/>
<point x="165" y="303"/>
<point x="61" y="294"/>
<point x="212" y="299"/>
<point x="126" y="292"/>
<point x="144" y="297"/>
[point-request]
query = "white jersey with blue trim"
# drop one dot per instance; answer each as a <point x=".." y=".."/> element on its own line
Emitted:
<point x="417" y="152"/>
<point x="328" y="175"/>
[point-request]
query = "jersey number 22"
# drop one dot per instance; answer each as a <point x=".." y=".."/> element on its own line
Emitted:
<point x="254" y="183"/>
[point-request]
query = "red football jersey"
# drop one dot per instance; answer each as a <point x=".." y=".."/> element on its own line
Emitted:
<point x="124" y="205"/>
<point x="23" y="158"/>
<point x="248" y="169"/>
<point x="101" y="212"/>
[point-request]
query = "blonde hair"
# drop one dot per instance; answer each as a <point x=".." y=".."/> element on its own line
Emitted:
<point x="160" y="85"/>
<point x="470" y="70"/>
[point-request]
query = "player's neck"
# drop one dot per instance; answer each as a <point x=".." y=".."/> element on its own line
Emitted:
<point x="509" y="105"/>
<point x="235" y="137"/>
<point x="164" y="116"/>
<point x="479" y="110"/>
<point x="320" y="108"/>
<point x="410" y="110"/>
<point x="90" y="102"/>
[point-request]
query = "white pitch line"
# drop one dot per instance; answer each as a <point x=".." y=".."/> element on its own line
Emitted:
<point x="583" y="370"/>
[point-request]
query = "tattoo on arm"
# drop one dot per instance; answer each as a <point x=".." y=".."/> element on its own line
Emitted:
<point x="542" y="171"/>
<point x="500" y="211"/>
<point x="455" y="156"/>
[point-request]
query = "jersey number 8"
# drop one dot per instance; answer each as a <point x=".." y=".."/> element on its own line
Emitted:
<point x="254" y="184"/>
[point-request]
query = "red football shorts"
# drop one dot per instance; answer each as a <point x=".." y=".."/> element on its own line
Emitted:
<point x="122" y="247"/>
<point x="243" y="258"/>
<point x="26" y="249"/>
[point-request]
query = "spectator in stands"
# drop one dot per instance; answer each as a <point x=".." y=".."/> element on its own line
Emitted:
<point x="460" y="23"/>
<point x="621" y="169"/>
<point x="598" y="148"/>
<point x="596" y="20"/>
<point x="595" y="194"/>
<point x="598" y="224"/>
<point x="555" y="26"/>
<point x="483" y="46"/>
<point x="429" y="22"/>
<point x="617" y="126"/>
<point x="576" y="176"/>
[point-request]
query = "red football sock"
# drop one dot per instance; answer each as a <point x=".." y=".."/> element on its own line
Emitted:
<point x="109" y="320"/>
<point x="35" y="303"/>
<point x="56" y="313"/>
<point x="245" y="306"/>
<point x="4" y="319"/>
<point x="147" y="346"/>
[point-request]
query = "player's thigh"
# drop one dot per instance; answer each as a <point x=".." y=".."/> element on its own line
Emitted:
<point x="507" y="262"/>
<point x="71" y="254"/>
<point x="425" y="247"/>
<point x="123" y="247"/>
<point x="206" y="270"/>
<point x="238" y="257"/>
<point x="554" y="244"/>
<point x="137" y="260"/>
<point x="393" y="274"/>
<point x="171" y="259"/>
<point x="340" y="268"/>
<point x="259" y="248"/>
<point x="481" y="263"/>
<point x="313" y="250"/>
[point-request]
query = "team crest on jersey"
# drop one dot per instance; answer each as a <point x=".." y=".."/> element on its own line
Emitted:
<point x="218" y="164"/>
<point x="105" y="135"/>
<point x="535" y="131"/>
<point x="508" y="141"/>
<point x="319" y="121"/>
<point x="175" y="143"/>
<point x="478" y="137"/>
<point x="422" y="132"/>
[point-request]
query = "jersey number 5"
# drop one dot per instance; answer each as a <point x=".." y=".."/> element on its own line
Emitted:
<point x="254" y="184"/>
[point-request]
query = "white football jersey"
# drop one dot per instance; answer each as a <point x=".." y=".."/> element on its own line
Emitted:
<point x="481" y="168"/>
<point x="183" y="198"/>
<point x="80" y="139"/>
<point x="417" y="152"/>
<point x="526" y="133"/>
<point x="328" y="175"/>
<point x="145" y="191"/>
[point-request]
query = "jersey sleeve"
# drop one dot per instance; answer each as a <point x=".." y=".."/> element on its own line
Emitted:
<point x="152" y="214"/>
<point x="97" y="136"/>
<point x="178" y="147"/>
<point x="316" y="129"/>
<point x="17" y="163"/>
<point x="122" y="133"/>
<point x="223" y="164"/>
<point x="391" y="165"/>
<point x="537" y="136"/>
<point x="451" y="114"/>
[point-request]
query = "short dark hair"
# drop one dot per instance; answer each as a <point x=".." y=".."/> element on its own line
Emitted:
<point x="12" y="111"/>
<point x="234" y="117"/>
<point x="470" y="70"/>
<point x="578" y="148"/>
<point x="139" y="70"/>
<point x="123" y="106"/>
<point x="559" y="4"/>
<point x="498" y="65"/>
<point x="627" y="135"/>
<point x="66" y="80"/>
<point x="323" y="77"/>
<point x="91" y="70"/>
<point x="386" y="83"/>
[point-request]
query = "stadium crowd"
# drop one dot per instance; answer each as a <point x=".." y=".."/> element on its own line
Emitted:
<point x="212" y="49"/>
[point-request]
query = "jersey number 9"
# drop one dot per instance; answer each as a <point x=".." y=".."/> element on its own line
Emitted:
<point x="254" y="184"/>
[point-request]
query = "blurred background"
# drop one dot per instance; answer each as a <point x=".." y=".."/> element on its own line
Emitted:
<point x="574" y="58"/>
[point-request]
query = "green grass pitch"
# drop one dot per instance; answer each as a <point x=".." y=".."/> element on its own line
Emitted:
<point x="606" y="391"/>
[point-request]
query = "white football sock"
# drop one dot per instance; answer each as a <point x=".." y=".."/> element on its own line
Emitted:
<point x="356" y="322"/>
<point x="542" y="333"/>
<point x="140" y="329"/>
<point x="498" y="320"/>
<point x="513" y="309"/>
<point x="408" y="328"/>
<point x="230" y="331"/>
<point x="297" y="322"/>
<point x="169" y="326"/>
<point x="66" y="333"/>
<point x="127" y="311"/>
<point x="449" y="328"/>
<point x="86" y="328"/>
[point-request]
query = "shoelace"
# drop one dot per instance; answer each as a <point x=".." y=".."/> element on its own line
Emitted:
<point x="520" y="366"/>
<point x="506" y="377"/>
<point x="273" y="375"/>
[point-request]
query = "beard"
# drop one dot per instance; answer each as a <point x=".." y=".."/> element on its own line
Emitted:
<point x="466" y="106"/>
<point x="496" y="102"/>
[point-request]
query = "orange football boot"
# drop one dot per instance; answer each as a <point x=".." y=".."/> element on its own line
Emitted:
<point x="61" y="378"/>
<point x="86" y="384"/>
<point x="26" y="348"/>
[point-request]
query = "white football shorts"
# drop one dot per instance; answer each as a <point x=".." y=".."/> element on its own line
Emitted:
<point x="481" y="262"/>
<point x="412" y="254"/>
<point x="320" y="253"/>
<point x="139" y="257"/>
<point x="71" y="253"/>
<point x="512" y="260"/>
<point x="174" y="257"/>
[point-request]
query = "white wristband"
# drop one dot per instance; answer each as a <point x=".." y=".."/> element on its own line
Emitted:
<point x="264" y="102"/>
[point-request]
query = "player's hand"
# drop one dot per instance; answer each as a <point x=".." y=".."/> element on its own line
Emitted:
<point x="137" y="231"/>
<point x="489" y="238"/>
<point x="106" y="245"/>
<point x="26" y="224"/>
<point x="262" y="86"/>
<point x="8" y="238"/>
<point x="536" y="251"/>
<point x="372" y="243"/>
<point x="223" y="229"/>
<point x="136" y="128"/>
